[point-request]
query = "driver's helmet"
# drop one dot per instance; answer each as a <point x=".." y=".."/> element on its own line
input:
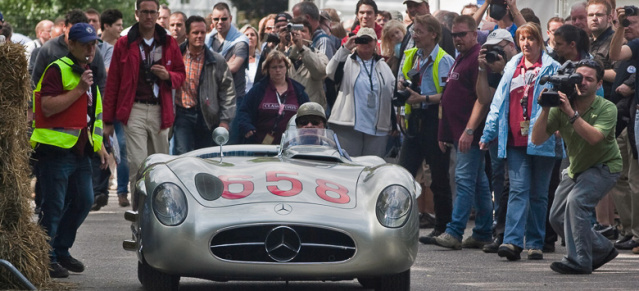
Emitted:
<point x="311" y="108"/>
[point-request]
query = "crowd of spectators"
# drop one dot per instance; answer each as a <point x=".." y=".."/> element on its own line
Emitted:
<point x="475" y="103"/>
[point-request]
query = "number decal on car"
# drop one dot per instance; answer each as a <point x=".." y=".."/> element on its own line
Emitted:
<point x="327" y="190"/>
<point x="324" y="186"/>
<point x="296" y="185"/>
<point x="247" y="186"/>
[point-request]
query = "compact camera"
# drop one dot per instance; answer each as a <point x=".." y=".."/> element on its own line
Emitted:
<point x="564" y="80"/>
<point x="400" y="97"/>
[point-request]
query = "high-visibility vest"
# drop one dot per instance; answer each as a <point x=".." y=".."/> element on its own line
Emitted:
<point x="63" y="136"/>
<point x="408" y="65"/>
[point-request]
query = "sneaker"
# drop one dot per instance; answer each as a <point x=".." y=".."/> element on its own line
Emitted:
<point x="472" y="243"/>
<point x="448" y="241"/>
<point x="426" y="220"/>
<point x="509" y="251"/>
<point x="429" y="239"/>
<point x="124" y="202"/>
<point x="57" y="271"/>
<point x="71" y="264"/>
<point x="492" y="247"/>
<point x="624" y="239"/>
<point x="535" y="254"/>
<point x="628" y="245"/>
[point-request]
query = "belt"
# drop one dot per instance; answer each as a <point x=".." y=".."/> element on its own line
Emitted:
<point x="149" y="102"/>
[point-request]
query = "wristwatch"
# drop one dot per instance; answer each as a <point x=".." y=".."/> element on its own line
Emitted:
<point x="574" y="117"/>
<point x="427" y="99"/>
<point x="469" y="131"/>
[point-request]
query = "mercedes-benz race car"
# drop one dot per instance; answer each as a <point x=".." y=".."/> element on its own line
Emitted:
<point x="303" y="210"/>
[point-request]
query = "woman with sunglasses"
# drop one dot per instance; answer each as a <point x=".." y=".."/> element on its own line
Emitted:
<point x="513" y="112"/>
<point x="361" y="115"/>
<point x="266" y="109"/>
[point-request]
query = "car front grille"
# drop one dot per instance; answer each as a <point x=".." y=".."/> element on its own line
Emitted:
<point x="282" y="243"/>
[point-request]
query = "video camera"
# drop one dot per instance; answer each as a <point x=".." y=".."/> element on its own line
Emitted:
<point x="275" y="38"/>
<point x="400" y="97"/>
<point x="630" y="11"/>
<point x="564" y="80"/>
<point x="493" y="53"/>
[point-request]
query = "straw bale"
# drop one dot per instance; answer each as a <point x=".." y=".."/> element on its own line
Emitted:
<point x="22" y="241"/>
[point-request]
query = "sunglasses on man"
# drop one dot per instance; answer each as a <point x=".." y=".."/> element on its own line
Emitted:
<point x="460" y="34"/>
<point x="304" y="121"/>
<point x="216" y="19"/>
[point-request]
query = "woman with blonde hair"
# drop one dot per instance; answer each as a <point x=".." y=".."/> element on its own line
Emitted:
<point x="254" y="54"/>
<point x="392" y="36"/>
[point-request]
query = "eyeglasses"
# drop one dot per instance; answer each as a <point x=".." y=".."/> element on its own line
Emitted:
<point x="216" y="19"/>
<point x="148" y="12"/>
<point x="460" y="34"/>
<point x="304" y="121"/>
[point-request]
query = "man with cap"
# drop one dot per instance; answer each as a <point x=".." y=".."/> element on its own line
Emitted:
<point x="489" y="75"/>
<point x="67" y="132"/>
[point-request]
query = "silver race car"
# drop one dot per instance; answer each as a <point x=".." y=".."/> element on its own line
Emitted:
<point x="303" y="210"/>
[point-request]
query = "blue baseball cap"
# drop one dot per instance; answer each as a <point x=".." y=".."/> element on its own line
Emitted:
<point x="82" y="32"/>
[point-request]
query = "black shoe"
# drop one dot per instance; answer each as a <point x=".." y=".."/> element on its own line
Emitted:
<point x="426" y="220"/>
<point x="608" y="231"/>
<point x="623" y="239"/>
<point x="628" y="245"/>
<point x="492" y="248"/>
<point x="100" y="201"/>
<point x="549" y="247"/>
<point x="57" y="271"/>
<point x="430" y="238"/>
<point x="510" y="251"/>
<point x="562" y="268"/>
<point x="71" y="264"/>
<point x="611" y="255"/>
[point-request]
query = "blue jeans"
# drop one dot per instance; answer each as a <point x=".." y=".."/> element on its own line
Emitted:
<point x="575" y="201"/>
<point x="67" y="196"/>
<point x="472" y="190"/>
<point x="190" y="131"/>
<point x="528" y="199"/>
<point x="123" y="166"/>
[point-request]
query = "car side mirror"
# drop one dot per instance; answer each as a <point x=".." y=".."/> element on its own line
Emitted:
<point x="221" y="136"/>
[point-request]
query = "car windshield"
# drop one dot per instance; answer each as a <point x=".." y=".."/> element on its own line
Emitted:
<point x="319" y="137"/>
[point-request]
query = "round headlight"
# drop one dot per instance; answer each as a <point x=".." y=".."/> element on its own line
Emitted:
<point x="393" y="206"/>
<point x="169" y="204"/>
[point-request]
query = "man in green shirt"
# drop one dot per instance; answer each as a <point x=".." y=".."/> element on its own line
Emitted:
<point x="588" y="129"/>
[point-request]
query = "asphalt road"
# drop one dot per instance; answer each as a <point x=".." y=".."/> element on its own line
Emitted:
<point x="109" y="267"/>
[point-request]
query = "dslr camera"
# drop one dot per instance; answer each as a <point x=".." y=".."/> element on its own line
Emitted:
<point x="149" y="77"/>
<point x="275" y="38"/>
<point x="630" y="11"/>
<point x="400" y="97"/>
<point x="493" y="53"/>
<point x="564" y="80"/>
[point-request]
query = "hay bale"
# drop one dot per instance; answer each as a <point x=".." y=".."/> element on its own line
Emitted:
<point x="22" y="241"/>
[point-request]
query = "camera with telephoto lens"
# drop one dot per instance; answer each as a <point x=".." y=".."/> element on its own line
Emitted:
<point x="564" y="80"/>
<point x="493" y="53"/>
<point x="400" y="97"/>
<point x="630" y="11"/>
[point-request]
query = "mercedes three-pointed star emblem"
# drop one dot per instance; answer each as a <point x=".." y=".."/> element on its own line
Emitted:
<point x="282" y="244"/>
<point x="283" y="209"/>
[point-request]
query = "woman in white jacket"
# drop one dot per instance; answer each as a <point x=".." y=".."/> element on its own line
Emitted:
<point x="361" y="115"/>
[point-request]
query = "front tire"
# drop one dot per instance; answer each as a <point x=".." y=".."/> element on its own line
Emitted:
<point x="396" y="282"/>
<point x="155" y="280"/>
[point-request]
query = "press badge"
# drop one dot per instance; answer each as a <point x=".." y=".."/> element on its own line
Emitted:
<point x="525" y="125"/>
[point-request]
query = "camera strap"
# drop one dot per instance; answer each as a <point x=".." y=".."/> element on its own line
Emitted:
<point x="369" y="73"/>
<point x="147" y="62"/>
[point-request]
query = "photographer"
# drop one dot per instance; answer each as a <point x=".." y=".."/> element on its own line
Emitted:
<point x="587" y="124"/>
<point x="427" y="66"/>
<point x="498" y="49"/>
<point x="512" y="114"/>
<point x="309" y="64"/>
<point x="629" y="56"/>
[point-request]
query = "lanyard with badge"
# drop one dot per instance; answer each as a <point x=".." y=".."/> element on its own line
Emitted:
<point x="529" y="80"/>
<point x="281" y="99"/>
<point x="371" y="95"/>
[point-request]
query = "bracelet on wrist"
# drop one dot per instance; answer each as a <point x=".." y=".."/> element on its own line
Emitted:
<point x="574" y="117"/>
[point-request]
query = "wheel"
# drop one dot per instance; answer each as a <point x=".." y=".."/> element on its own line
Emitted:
<point x="155" y="280"/>
<point x="396" y="282"/>
<point x="367" y="282"/>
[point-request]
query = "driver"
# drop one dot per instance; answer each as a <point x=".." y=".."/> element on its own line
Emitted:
<point x="310" y="115"/>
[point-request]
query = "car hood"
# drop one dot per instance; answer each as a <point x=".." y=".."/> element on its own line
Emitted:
<point x="272" y="180"/>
